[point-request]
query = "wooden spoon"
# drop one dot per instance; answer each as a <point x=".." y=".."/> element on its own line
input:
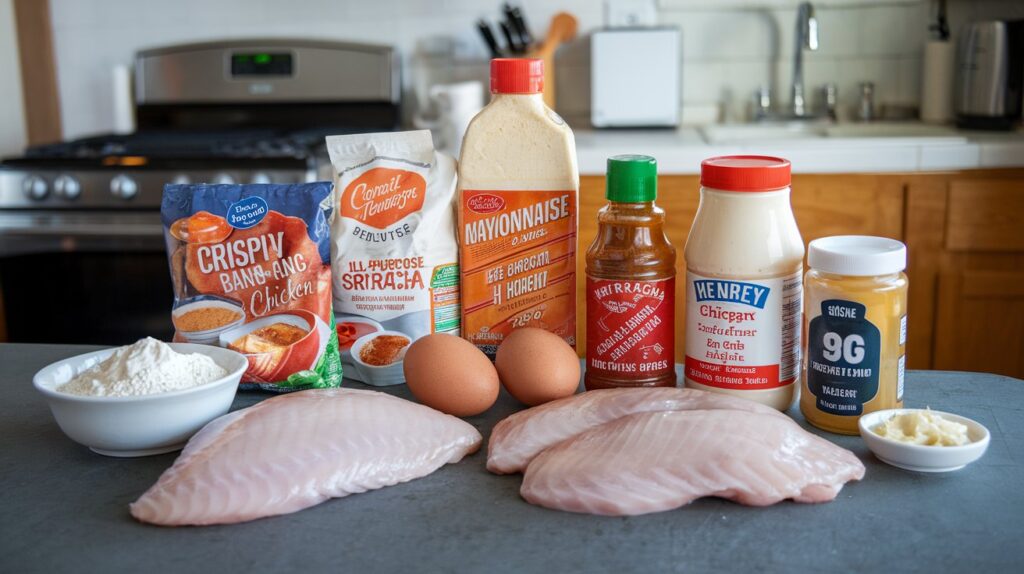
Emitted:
<point x="561" y="30"/>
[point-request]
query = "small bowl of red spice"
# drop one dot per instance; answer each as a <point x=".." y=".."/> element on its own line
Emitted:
<point x="379" y="357"/>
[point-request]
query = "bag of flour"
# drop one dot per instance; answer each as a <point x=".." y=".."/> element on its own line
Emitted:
<point x="393" y="249"/>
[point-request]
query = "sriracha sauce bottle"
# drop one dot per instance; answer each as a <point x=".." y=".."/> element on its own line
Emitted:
<point x="631" y="278"/>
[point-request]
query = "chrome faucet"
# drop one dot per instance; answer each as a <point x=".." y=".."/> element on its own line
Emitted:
<point x="806" y="37"/>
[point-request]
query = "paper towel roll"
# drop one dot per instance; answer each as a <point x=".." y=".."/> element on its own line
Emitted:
<point x="937" y="81"/>
<point x="124" y="110"/>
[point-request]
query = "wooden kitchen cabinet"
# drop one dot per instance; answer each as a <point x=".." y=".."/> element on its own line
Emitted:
<point x="851" y="204"/>
<point x="979" y="324"/>
<point x="965" y="237"/>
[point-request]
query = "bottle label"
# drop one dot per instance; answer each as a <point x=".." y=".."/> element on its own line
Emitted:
<point x="518" y="256"/>
<point x="743" y="334"/>
<point x="843" y="351"/>
<point x="631" y="327"/>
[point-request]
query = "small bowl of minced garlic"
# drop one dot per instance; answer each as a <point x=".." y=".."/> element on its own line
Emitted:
<point x="141" y="399"/>
<point x="924" y="440"/>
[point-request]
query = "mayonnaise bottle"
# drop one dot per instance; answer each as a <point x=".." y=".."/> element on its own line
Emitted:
<point x="744" y="261"/>
<point x="518" y="188"/>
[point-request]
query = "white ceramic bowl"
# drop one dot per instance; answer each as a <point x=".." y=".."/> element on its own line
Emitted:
<point x="340" y="318"/>
<point x="922" y="458"/>
<point x="143" y="425"/>
<point x="380" y="376"/>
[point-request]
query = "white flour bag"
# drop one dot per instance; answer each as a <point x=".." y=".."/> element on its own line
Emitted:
<point x="394" y="254"/>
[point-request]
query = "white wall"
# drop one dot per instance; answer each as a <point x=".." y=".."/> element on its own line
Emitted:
<point x="12" y="111"/>
<point x="92" y="36"/>
<point x="729" y="47"/>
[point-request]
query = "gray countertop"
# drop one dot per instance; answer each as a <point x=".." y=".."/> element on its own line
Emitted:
<point x="64" y="508"/>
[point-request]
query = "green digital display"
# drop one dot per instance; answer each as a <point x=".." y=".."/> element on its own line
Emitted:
<point x="261" y="64"/>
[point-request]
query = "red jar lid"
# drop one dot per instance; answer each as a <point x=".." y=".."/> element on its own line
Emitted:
<point x="517" y="76"/>
<point x="745" y="173"/>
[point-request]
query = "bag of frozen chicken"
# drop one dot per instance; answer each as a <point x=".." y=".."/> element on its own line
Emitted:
<point x="251" y="271"/>
<point x="394" y="250"/>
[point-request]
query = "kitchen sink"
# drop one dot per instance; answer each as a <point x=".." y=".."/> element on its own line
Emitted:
<point x="890" y="130"/>
<point x="775" y="131"/>
<point x="817" y="130"/>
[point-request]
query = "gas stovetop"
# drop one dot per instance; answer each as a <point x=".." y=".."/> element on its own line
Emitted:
<point x="157" y="145"/>
<point x="129" y="171"/>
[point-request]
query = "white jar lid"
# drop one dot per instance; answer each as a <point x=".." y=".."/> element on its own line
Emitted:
<point x="859" y="255"/>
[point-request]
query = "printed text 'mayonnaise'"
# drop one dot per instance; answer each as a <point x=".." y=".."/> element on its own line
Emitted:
<point x="505" y="224"/>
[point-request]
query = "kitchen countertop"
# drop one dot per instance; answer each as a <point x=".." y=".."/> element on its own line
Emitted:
<point x="679" y="152"/>
<point x="65" y="508"/>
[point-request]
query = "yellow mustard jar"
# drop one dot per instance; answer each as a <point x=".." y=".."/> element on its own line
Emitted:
<point x="855" y="322"/>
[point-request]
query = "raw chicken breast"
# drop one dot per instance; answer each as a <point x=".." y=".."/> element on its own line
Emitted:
<point x="297" y="450"/>
<point x="651" y="462"/>
<point x="522" y="436"/>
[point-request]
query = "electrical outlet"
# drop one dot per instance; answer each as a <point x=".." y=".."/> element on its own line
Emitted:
<point x="630" y="13"/>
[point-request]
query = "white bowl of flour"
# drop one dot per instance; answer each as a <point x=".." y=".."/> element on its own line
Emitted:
<point x="142" y="399"/>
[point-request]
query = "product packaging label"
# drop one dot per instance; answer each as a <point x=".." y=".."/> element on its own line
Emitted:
<point x="394" y="249"/>
<point x="519" y="264"/>
<point x="843" y="351"/>
<point x="382" y="271"/>
<point x="250" y="265"/>
<point x="743" y="334"/>
<point x="631" y="327"/>
<point x="901" y="372"/>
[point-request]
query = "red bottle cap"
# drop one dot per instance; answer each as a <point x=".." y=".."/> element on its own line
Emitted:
<point x="745" y="173"/>
<point x="517" y="76"/>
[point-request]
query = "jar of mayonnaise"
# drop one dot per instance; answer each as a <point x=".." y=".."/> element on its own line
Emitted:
<point x="744" y="261"/>
<point x="856" y="328"/>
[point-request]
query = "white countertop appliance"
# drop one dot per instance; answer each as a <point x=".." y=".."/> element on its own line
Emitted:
<point x="635" y="78"/>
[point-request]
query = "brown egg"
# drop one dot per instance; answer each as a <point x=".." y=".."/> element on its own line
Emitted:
<point x="450" y="374"/>
<point x="537" y="366"/>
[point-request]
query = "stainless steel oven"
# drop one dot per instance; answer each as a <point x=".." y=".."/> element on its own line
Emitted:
<point x="82" y="256"/>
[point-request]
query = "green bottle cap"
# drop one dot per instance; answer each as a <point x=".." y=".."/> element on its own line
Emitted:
<point x="631" y="179"/>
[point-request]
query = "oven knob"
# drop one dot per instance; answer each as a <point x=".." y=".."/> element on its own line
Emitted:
<point x="124" y="187"/>
<point x="67" y="187"/>
<point x="35" y="187"/>
<point x="260" y="177"/>
<point x="223" y="178"/>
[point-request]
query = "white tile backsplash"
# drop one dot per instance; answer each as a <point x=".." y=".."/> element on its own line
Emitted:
<point x="818" y="71"/>
<point x="885" y="30"/>
<point x="703" y="81"/>
<point x="728" y="49"/>
<point x="785" y="29"/>
<point x="717" y="36"/>
<point x="839" y="32"/>
<point x="743" y="79"/>
<point x="910" y="79"/>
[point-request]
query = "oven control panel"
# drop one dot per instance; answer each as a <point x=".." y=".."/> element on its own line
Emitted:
<point x="129" y="189"/>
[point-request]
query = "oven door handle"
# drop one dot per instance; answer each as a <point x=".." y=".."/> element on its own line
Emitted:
<point x="25" y="232"/>
<point x="83" y="229"/>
